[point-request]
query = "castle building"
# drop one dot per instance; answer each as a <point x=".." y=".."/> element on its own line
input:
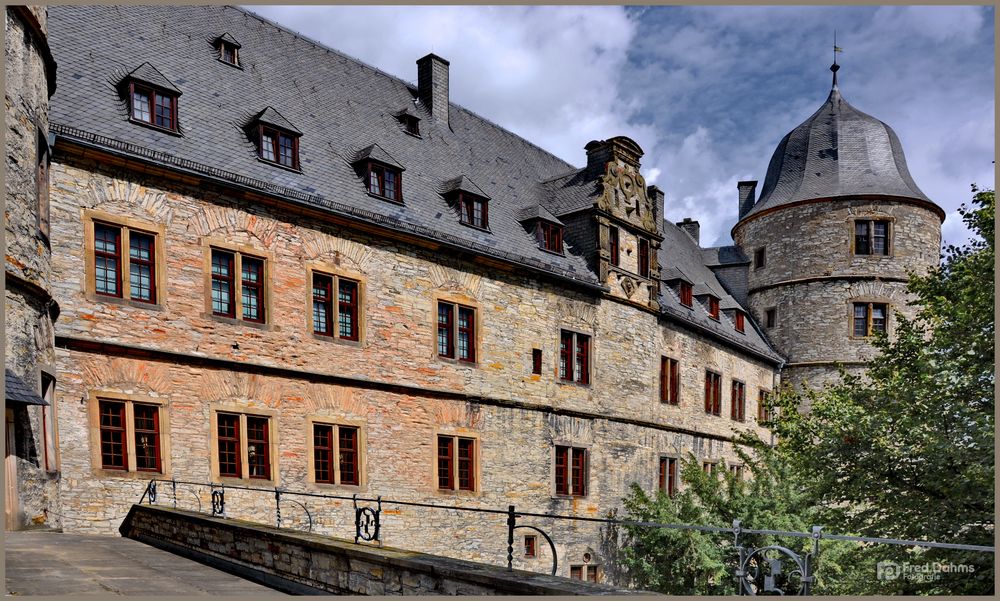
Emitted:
<point x="280" y="267"/>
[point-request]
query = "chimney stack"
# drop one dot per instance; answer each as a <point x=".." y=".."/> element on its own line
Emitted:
<point x="656" y="195"/>
<point x="692" y="227"/>
<point x="432" y="86"/>
<point x="747" y="200"/>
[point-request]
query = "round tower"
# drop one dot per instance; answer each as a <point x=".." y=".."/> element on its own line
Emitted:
<point x="29" y="368"/>
<point x="838" y="224"/>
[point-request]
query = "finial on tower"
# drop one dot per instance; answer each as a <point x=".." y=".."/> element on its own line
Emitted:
<point x="835" y="67"/>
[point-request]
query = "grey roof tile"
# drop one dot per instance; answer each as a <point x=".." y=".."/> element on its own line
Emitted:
<point x="377" y="153"/>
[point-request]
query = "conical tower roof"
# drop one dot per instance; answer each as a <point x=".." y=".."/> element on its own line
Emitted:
<point x="838" y="151"/>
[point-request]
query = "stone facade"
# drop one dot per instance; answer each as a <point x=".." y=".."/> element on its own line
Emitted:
<point x="29" y="310"/>
<point x="391" y="382"/>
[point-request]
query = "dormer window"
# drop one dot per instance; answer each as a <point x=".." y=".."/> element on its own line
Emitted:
<point x="713" y="307"/>
<point x="384" y="181"/>
<point x="550" y="236"/>
<point x="473" y="210"/>
<point x="228" y="49"/>
<point x="739" y="321"/>
<point x="276" y="139"/>
<point x="686" y="294"/>
<point x="152" y="98"/>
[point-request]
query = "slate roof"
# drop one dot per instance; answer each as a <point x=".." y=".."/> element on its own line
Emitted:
<point x="537" y="211"/>
<point x="269" y="116"/>
<point x="718" y="256"/>
<point x="376" y="153"/>
<point x="680" y="254"/>
<point x="569" y="192"/>
<point x="838" y="151"/>
<point x="18" y="391"/>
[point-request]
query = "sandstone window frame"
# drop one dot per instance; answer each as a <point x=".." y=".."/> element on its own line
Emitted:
<point x="870" y="237"/>
<point x="869" y="304"/>
<point x="273" y="443"/>
<point x="126" y="225"/>
<point x="238" y="251"/>
<point x="670" y="381"/>
<point x="571" y="489"/>
<point x="457" y="301"/>
<point x="337" y="274"/>
<point x="94" y="398"/>
<point x="710" y="467"/>
<point x="737" y="470"/>
<point x="336" y="423"/>
<point x="668" y="474"/>
<point x="454" y="486"/>
<point x="566" y="372"/>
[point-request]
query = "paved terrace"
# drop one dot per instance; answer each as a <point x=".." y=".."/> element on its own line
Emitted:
<point x="51" y="563"/>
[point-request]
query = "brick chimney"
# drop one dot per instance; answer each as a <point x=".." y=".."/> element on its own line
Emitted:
<point x="432" y="86"/>
<point x="692" y="227"/>
<point x="747" y="200"/>
<point x="656" y="195"/>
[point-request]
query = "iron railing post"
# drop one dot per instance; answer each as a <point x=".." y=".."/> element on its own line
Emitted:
<point x="277" y="505"/>
<point x="173" y="485"/>
<point x="511" y="523"/>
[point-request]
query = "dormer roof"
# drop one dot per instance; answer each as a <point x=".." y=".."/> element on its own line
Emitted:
<point x="270" y="116"/>
<point x="228" y="39"/>
<point x="374" y="152"/>
<point x="463" y="184"/>
<point x="147" y="73"/>
<point x="537" y="211"/>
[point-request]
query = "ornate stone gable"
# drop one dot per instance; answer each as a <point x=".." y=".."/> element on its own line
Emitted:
<point x="623" y="194"/>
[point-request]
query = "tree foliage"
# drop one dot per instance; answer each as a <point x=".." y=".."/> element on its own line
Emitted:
<point x="903" y="451"/>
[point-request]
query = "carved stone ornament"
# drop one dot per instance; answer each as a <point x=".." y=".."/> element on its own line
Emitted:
<point x="623" y="194"/>
<point x="628" y="284"/>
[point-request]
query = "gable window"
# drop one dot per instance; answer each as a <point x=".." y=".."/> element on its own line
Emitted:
<point x="738" y="404"/>
<point x="713" y="393"/>
<point x="871" y="237"/>
<point x="713" y="307"/>
<point x="244" y="448"/>
<point x="550" y="236"/>
<point x="771" y="317"/>
<point x="129" y="436"/>
<point x="385" y="181"/>
<point x="613" y="245"/>
<point x="574" y="357"/>
<point x="153" y="106"/>
<point x="571" y="471"/>
<point x="247" y="290"/>
<point x="456" y="463"/>
<point x="686" y="294"/>
<point x="473" y="210"/>
<point x="669" y="381"/>
<point x="278" y="146"/>
<point x="336" y="301"/>
<point x="668" y="475"/>
<point x="336" y="454"/>
<point x="739" y="321"/>
<point x="111" y="263"/>
<point x="643" y="258"/>
<point x="869" y="318"/>
<point x="759" y="257"/>
<point x="456" y="333"/>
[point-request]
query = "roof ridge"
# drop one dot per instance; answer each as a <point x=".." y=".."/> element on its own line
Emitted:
<point x="408" y="84"/>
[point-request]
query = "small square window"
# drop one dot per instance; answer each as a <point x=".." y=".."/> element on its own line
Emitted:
<point x="871" y="237"/>
<point x="759" y="257"/>
<point x="530" y="546"/>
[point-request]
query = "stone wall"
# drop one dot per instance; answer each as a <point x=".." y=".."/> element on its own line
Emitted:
<point x="301" y="563"/>
<point x="516" y="416"/>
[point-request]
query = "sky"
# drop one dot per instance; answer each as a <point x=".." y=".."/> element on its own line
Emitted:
<point x="707" y="92"/>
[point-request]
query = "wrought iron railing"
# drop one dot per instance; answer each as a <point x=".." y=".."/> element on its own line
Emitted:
<point x="771" y="569"/>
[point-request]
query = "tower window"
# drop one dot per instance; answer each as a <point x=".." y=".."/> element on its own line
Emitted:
<point x="771" y="317"/>
<point x="869" y="318"/>
<point x="871" y="237"/>
<point x="759" y="258"/>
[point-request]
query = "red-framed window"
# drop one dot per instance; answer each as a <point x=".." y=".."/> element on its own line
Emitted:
<point x="740" y="321"/>
<point x="686" y="294"/>
<point x="322" y="286"/>
<point x="107" y="260"/>
<point x="230" y="452"/>
<point x="643" y="258"/>
<point x="258" y="448"/>
<point x="869" y="318"/>
<point x="713" y="393"/>
<point x="871" y="237"/>
<point x="668" y="475"/>
<point x="456" y="463"/>
<point x="530" y="545"/>
<point x="713" y="307"/>
<point x="670" y="385"/>
<point x="347" y="309"/>
<point x="571" y="471"/>
<point x="574" y="357"/>
<point x="473" y="210"/>
<point x="456" y="332"/>
<point x="336" y="454"/>
<point x="142" y="266"/>
<point x="223" y="283"/>
<point x="114" y="448"/>
<point x="343" y="313"/>
<point x="536" y="360"/>
<point x="738" y="402"/>
<point x="153" y="106"/>
<point x="613" y="245"/>
<point x="252" y="288"/>
<point x="278" y="146"/>
<point x="550" y="236"/>
<point x="385" y="181"/>
<point x="146" y="419"/>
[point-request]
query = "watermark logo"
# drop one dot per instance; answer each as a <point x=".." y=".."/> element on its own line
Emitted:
<point x="919" y="572"/>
